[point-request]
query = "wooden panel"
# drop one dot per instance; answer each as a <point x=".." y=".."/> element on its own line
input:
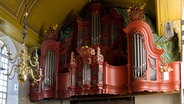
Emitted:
<point x="116" y="79"/>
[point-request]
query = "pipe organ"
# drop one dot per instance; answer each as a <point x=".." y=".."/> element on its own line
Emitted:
<point x="101" y="56"/>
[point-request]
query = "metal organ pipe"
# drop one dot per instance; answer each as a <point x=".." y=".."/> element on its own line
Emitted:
<point x="48" y="72"/>
<point x="132" y="56"/>
<point x="99" y="29"/>
<point x="74" y="78"/>
<point x="81" y="39"/>
<point x="141" y="55"/>
<point x="78" y="41"/>
<point x="135" y="56"/>
<point x="100" y="34"/>
<point x="144" y="59"/>
<point x="50" y="68"/>
<point x="86" y="73"/>
<point x="95" y="28"/>
<point x="138" y="56"/>
<point x="53" y="68"/>
<point x="46" y="69"/>
<point x="92" y="29"/>
<point x="112" y="32"/>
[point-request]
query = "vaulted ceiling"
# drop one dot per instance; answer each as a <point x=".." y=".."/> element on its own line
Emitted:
<point x="43" y="13"/>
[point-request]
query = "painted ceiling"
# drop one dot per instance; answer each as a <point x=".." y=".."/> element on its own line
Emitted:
<point x="43" y="13"/>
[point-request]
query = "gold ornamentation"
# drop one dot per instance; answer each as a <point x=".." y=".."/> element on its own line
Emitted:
<point x="22" y="68"/>
<point x="86" y="53"/>
<point x="166" y="68"/>
<point x="51" y="32"/>
<point x="177" y="30"/>
<point x="136" y="12"/>
<point x="52" y="29"/>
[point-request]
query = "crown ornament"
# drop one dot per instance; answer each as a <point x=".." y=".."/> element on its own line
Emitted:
<point x="136" y="12"/>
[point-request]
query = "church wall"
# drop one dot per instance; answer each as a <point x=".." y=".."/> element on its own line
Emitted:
<point x="158" y="99"/>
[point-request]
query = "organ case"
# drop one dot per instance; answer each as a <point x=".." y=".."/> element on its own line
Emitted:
<point x="102" y="56"/>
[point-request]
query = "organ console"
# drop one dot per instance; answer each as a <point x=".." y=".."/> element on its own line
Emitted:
<point x="98" y="55"/>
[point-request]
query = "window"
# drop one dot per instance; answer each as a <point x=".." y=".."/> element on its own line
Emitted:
<point x="8" y="88"/>
<point x="3" y="78"/>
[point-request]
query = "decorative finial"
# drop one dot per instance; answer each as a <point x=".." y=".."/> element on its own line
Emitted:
<point x="136" y="12"/>
<point x="50" y="32"/>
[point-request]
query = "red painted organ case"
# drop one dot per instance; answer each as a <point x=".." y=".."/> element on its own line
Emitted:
<point x="101" y="56"/>
<point x="146" y="66"/>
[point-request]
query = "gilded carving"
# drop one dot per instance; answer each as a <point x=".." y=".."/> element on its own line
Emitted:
<point x="136" y="12"/>
<point x="177" y="30"/>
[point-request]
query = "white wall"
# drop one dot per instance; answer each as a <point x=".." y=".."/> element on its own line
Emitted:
<point x="158" y="99"/>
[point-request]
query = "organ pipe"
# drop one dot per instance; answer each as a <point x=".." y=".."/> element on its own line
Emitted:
<point x="99" y="30"/>
<point x="86" y="73"/>
<point x="112" y="31"/>
<point x="92" y="29"/>
<point x="95" y="28"/>
<point x="46" y="68"/>
<point x="78" y="41"/>
<point x="132" y="56"/>
<point x="54" y="67"/>
<point x="50" y="68"/>
<point x="138" y="56"/>
<point x="135" y="55"/>
<point x="141" y="56"/>
<point x="144" y="58"/>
